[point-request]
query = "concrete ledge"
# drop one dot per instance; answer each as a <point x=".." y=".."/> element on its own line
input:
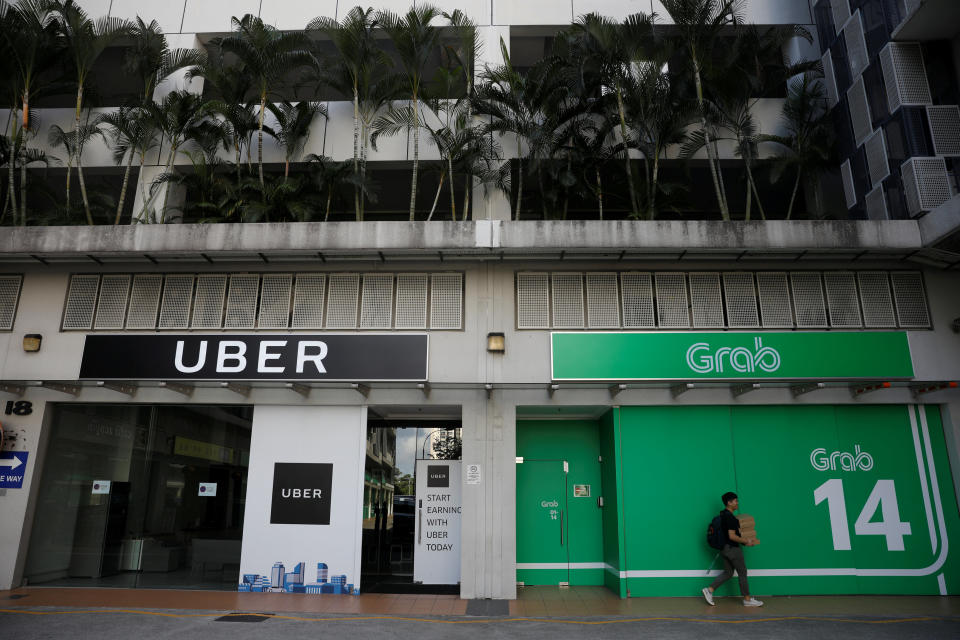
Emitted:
<point x="480" y="237"/>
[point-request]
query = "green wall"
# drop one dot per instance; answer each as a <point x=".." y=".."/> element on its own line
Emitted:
<point x="612" y="515"/>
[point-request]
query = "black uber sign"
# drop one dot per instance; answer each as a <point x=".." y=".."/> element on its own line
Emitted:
<point x="438" y="475"/>
<point x="301" y="493"/>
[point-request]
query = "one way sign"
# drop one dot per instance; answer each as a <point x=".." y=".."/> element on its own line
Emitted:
<point x="12" y="466"/>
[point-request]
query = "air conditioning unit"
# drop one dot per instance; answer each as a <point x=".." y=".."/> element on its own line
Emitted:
<point x="875" y="203"/>
<point x="904" y="75"/>
<point x="945" y="129"/>
<point x="925" y="184"/>
<point x="877" y="162"/>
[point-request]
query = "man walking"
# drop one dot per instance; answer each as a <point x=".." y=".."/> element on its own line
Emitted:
<point x="732" y="553"/>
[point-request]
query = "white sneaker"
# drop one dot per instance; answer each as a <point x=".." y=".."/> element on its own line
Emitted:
<point x="752" y="602"/>
<point x="708" y="596"/>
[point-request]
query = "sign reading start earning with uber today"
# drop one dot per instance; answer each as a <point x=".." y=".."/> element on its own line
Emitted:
<point x="324" y="357"/>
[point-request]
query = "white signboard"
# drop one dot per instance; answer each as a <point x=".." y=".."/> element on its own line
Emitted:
<point x="472" y="475"/>
<point x="436" y="556"/>
<point x="100" y="487"/>
<point x="207" y="490"/>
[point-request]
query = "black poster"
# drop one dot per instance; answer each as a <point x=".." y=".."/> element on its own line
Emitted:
<point x="301" y="493"/>
<point x="324" y="357"/>
<point x="438" y="475"/>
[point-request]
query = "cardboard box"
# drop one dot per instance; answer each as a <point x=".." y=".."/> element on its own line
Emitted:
<point x="748" y="527"/>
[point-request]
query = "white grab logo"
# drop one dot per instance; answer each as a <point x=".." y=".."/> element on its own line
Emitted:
<point x="740" y="359"/>
<point x="822" y="461"/>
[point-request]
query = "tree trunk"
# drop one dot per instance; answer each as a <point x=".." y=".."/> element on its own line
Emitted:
<point x="626" y="153"/>
<point x="453" y="191"/>
<point x="166" y="188"/>
<point x="83" y="191"/>
<point x="326" y="216"/>
<point x="123" y="189"/>
<point x="23" y="193"/>
<point x="436" y="198"/>
<point x="749" y="201"/>
<point x="263" y="106"/>
<point x="356" y="150"/>
<point x="363" y="170"/>
<point x="467" y="183"/>
<point x="78" y="150"/>
<point x="416" y="156"/>
<point x="712" y="161"/>
<point x="656" y="181"/>
<point x="519" y="181"/>
<point x="796" y="185"/>
<point x="11" y="188"/>
<point x="26" y="108"/>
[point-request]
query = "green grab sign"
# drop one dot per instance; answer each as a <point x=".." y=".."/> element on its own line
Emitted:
<point x="730" y="355"/>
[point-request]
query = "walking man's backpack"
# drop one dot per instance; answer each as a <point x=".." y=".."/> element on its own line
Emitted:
<point x="716" y="536"/>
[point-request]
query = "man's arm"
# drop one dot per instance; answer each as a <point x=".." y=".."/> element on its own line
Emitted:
<point x="732" y="535"/>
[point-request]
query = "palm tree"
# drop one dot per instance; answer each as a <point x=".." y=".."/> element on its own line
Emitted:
<point x="464" y="54"/>
<point x="268" y="55"/>
<point x="73" y="142"/>
<point x="293" y="127"/>
<point x="332" y="177"/>
<point x="85" y="40"/>
<point x="134" y="134"/>
<point x="417" y="41"/>
<point x="357" y="71"/>
<point x="698" y="24"/>
<point x="151" y="60"/>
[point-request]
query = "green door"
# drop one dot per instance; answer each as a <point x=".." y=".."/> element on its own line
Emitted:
<point x="559" y="518"/>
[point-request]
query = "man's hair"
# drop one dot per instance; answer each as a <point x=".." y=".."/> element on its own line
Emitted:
<point x="728" y="497"/>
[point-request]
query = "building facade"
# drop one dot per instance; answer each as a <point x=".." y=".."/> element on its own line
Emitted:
<point x="231" y="405"/>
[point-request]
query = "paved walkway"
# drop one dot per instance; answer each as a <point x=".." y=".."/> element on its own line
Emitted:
<point x="538" y="613"/>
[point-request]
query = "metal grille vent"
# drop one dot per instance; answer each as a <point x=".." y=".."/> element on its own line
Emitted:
<point x="876" y="204"/>
<point x="308" y="301"/>
<point x="9" y="296"/>
<point x="376" y="303"/>
<point x="841" y="13"/>
<point x="830" y="79"/>
<point x="208" y="302"/>
<point x="875" y="299"/>
<point x="775" y="310"/>
<point x="849" y="191"/>
<point x="175" y="306"/>
<point x="876" y="148"/>
<point x="275" y="301"/>
<point x="705" y="299"/>
<point x="81" y="299"/>
<point x="533" y="301"/>
<point x="842" y="299"/>
<point x="567" y="289"/>
<point x="144" y="301"/>
<point x="342" y="301"/>
<point x="412" y="301"/>
<point x="904" y="75"/>
<point x="446" y="301"/>
<point x="741" y="299"/>
<point x="925" y="183"/>
<point x="242" y="301"/>
<point x="112" y="303"/>
<point x="672" y="309"/>
<point x="859" y="111"/>
<point x="945" y="129"/>
<point x="856" y="44"/>
<point x="808" y="299"/>
<point x="637" y="300"/>
<point x="910" y="300"/>
<point x="602" y="303"/>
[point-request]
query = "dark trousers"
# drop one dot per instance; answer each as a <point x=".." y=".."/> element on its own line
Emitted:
<point x="733" y="561"/>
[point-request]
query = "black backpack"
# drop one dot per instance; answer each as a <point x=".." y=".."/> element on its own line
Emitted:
<point x="716" y="536"/>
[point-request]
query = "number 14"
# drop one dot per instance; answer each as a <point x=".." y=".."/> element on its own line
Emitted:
<point x="884" y="495"/>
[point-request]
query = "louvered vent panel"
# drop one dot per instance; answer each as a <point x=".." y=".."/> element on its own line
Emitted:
<point x="342" y="301"/>
<point x="910" y="299"/>
<point x="841" y="13"/>
<point x="533" y="301"/>
<point x="672" y="309"/>
<point x="856" y="44"/>
<point x="81" y="300"/>
<point x="830" y="79"/>
<point x="275" y="301"/>
<point x="774" y="294"/>
<point x="376" y="303"/>
<point x="242" y="301"/>
<point x="859" y="112"/>
<point x="925" y="183"/>
<point x="144" y="301"/>
<point x="446" y="301"/>
<point x="875" y="299"/>
<point x="945" y="129"/>
<point x="112" y="303"/>
<point x="740" y="296"/>
<point x="876" y="204"/>
<point x="9" y="296"/>
<point x="175" y="306"/>
<point x="842" y="299"/>
<point x="602" y="301"/>
<point x="876" y="148"/>
<point x="808" y="299"/>
<point x="849" y="191"/>
<point x="208" y="301"/>
<point x="637" y="300"/>
<point x="308" y="301"/>
<point x="904" y="75"/>
<point x="411" y="301"/>
<point x="567" y="300"/>
<point x="705" y="299"/>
